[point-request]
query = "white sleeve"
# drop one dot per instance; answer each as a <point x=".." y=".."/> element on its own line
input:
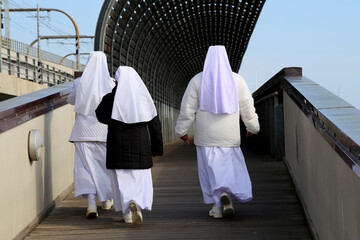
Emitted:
<point x="246" y="108"/>
<point x="189" y="107"/>
<point x="72" y="96"/>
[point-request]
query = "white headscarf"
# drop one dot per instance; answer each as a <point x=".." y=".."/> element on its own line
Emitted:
<point x="218" y="92"/>
<point x="95" y="82"/>
<point x="132" y="102"/>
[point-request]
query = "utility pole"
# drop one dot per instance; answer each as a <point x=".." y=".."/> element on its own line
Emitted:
<point x="54" y="9"/>
<point x="7" y="20"/>
<point x="38" y="33"/>
<point x="39" y="70"/>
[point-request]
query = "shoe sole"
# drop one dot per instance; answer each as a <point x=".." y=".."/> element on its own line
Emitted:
<point x="92" y="215"/>
<point x="216" y="215"/>
<point x="136" y="219"/>
<point x="128" y="221"/>
<point x="228" y="208"/>
<point x="106" y="207"/>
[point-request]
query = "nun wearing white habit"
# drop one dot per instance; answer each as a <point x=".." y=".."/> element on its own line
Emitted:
<point x="215" y="99"/>
<point x="134" y="137"/>
<point x="91" y="178"/>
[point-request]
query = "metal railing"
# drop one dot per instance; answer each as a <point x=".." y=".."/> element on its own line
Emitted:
<point x="26" y="49"/>
<point x="29" y="68"/>
<point x="21" y="60"/>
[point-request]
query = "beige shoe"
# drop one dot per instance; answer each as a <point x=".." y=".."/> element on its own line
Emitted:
<point x="106" y="205"/>
<point x="216" y="212"/>
<point x="128" y="218"/>
<point x="227" y="205"/>
<point x="92" y="211"/>
<point x="137" y="218"/>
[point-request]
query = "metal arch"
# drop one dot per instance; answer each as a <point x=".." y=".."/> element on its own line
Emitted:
<point x="166" y="40"/>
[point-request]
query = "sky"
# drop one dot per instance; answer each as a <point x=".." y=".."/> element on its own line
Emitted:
<point x="321" y="36"/>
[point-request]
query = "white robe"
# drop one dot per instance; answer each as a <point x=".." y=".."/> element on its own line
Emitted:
<point x="132" y="185"/>
<point x="89" y="137"/>
<point x="223" y="170"/>
<point x="90" y="173"/>
<point x="132" y="104"/>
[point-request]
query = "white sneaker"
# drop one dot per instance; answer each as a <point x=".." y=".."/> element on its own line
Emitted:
<point x="227" y="205"/>
<point x="137" y="218"/>
<point x="216" y="212"/>
<point x="92" y="211"/>
<point x="106" y="205"/>
<point x="128" y="218"/>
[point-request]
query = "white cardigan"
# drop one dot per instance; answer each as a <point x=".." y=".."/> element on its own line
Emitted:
<point x="86" y="128"/>
<point x="216" y="130"/>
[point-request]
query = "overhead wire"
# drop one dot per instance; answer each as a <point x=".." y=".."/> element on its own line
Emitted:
<point x="48" y="28"/>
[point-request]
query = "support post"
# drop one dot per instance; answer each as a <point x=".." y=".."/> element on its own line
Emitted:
<point x="39" y="76"/>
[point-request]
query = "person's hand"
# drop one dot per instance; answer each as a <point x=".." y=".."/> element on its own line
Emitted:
<point x="154" y="154"/>
<point x="185" y="138"/>
<point x="249" y="134"/>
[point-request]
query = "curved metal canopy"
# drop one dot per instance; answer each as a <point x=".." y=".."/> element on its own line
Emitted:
<point x="166" y="40"/>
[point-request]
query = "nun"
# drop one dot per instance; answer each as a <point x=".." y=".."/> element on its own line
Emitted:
<point x="134" y="137"/>
<point x="215" y="99"/>
<point x="91" y="177"/>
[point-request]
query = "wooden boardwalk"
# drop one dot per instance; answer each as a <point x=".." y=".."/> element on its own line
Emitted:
<point x="179" y="212"/>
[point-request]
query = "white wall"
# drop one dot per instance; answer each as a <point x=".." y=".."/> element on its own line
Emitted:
<point x="27" y="188"/>
<point x="327" y="186"/>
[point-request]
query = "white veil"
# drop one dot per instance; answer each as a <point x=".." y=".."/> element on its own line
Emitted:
<point x="95" y="82"/>
<point x="132" y="101"/>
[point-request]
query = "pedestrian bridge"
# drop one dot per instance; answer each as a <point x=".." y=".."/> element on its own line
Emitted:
<point x="304" y="164"/>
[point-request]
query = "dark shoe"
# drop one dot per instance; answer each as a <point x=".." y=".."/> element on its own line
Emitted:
<point x="228" y="208"/>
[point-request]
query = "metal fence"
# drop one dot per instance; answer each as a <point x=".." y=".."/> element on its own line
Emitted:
<point x="21" y="60"/>
<point x="25" y="49"/>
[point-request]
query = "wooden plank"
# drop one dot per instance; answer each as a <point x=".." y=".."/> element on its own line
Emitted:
<point x="179" y="212"/>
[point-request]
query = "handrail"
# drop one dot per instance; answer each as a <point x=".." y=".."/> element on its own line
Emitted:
<point x="267" y="96"/>
<point x="345" y="145"/>
<point x="19" y="110"/>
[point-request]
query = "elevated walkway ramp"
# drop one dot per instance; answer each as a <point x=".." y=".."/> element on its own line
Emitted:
<point x="179" y="212"/>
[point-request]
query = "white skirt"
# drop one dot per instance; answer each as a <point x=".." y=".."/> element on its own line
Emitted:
<point x="132" y="185"/>
<point x="223" y="170"/>
<point x="90" y="173"/>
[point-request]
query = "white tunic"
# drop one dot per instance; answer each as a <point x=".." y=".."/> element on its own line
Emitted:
<point x="221" y="164"/>
<point x="132" y="185"/>
<point x="90" y="173"/>
<point x="216" y="130"/>
<point x="223" y="170"/>
<point x="86" y="128"/>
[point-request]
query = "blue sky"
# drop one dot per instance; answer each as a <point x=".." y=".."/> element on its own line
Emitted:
<point x="321" y="36"/>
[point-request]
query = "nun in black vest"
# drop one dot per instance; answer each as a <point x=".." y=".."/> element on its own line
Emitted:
<point x="134" y="137"/>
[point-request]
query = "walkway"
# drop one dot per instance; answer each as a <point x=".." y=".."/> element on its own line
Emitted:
<point x="179" y="212"/>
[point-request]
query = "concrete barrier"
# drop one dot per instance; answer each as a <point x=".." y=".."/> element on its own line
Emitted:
<point x="30" y="189"/>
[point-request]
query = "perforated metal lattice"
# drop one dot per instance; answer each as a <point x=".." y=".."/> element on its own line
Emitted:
<point x="166" y="41"/>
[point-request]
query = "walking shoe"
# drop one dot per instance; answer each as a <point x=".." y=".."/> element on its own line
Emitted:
<point x="92" y="211"/>
<point x="137" y="218"/>
<point x="106" y="205"/>
<point x="128" y="218"/>
<point x="227" y="205"/>
<point x="216" y="212"/>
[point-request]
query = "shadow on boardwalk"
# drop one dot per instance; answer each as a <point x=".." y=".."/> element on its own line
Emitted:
<point x="179" y="212"/>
